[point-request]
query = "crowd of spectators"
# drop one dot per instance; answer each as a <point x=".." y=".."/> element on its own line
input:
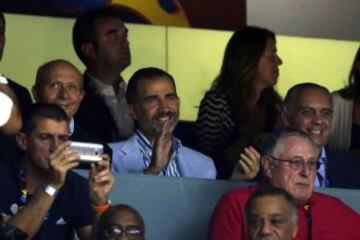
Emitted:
<point x="245" y="131"/>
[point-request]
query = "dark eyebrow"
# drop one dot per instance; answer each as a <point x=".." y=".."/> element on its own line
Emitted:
<point x="171" y="95"/>
<point x="150" y="97"/>
<point x="113" y="30"/>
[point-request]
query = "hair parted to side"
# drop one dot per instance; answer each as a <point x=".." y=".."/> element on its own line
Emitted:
<point x="144" y="74"/>
<point x="276" y="136"/>
<point x="239" y="68"/>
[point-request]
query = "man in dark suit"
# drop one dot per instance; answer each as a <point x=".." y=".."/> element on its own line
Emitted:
<point x="100" y="41"/>
<point x="60" y="82"/>
<point x="308" y="107"/>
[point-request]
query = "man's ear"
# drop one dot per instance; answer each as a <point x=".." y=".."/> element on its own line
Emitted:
<point x="285" y="118"/>
<point x="88" y="50"/>
<point x="82" y="94"/>
<point x="267" y="166"/>
<point x="132" y="111"/>
<point x="35" y="93"/>
<point x="295" y="230"/>
<point x="22" y="141"/>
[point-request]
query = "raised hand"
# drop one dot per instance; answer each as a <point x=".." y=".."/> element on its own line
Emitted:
<point x="100" y="181"/>
<point x="161" y="150"/>
<point x="248" y="165"/>
<point x="60" y="161"/>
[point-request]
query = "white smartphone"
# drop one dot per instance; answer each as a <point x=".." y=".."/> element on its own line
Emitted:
<point x="89" y="152"/>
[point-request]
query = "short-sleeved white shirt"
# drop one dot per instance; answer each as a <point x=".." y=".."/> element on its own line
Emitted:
<point x="6" y="105"/>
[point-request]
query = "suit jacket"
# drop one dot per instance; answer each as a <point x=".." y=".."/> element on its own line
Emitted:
<point x="343" y="169"/>
<point x="95" y="116"/>
<point x="127" y="158"/>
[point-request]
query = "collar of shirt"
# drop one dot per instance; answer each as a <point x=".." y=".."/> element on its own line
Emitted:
<point x="146" y="150"/>
<point x="71" y="126"/>
<point x="322" y="158"/>
<point x="321" y="170"/>
<point x="104" y="89"/>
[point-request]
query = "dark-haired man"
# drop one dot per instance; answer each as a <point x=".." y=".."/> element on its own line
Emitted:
<point x="100" y="41"/>
<point x="271" y="213"/>
<point x="42" y="197"/>
<point x="154" y="105"/>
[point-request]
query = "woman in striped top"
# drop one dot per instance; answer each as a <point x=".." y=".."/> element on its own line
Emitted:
<point x="241" y="104"/>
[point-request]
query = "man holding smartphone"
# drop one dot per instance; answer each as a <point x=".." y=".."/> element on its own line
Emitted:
<point x="43" y="198"/>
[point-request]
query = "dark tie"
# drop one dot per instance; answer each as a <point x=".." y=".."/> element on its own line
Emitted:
<point x="320" y="178"/>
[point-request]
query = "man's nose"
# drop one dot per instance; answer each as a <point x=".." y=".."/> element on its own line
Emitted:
<point x="54" y="144"/>
<point x="64" y="93"/>
<point x="317" y="118"/>
<point x="305" y="169"/>
<point x="266" y="228"/>
<point x="163" y="106"/>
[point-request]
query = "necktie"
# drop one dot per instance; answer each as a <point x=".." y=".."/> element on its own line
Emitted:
<point x="320" y="178"/>
<point x="321" y="172"/>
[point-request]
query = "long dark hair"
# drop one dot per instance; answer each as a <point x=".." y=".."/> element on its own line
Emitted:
<point x="352" y="90"/>
<point x="238" y="70"/>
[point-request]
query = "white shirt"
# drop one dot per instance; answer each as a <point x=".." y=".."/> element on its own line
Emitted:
<point x="5" y="109"/>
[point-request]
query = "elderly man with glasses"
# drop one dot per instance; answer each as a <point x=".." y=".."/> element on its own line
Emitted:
<point x="289" y="162"/>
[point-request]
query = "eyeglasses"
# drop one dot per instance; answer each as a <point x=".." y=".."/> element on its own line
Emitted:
<point x="132" y="232"/>
<point x="299" y="164"/>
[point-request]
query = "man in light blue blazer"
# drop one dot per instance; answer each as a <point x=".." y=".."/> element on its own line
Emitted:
<point x="154" y="105"/>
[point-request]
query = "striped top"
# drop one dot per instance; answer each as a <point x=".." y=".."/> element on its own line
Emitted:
<point x="146" y="149"/>
<point x="214" y="123"/>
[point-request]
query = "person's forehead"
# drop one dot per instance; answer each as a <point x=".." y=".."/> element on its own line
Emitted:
<point x="154" y="84"/>
<point x="51" y="126"/>
<point x="125" y="217"/>
<point x="295" y="146"/>
<point x="103" y="23"/>
<point x="313" y="98"/>
<point x="270" y="205"/>
<point x="64" y="71"/>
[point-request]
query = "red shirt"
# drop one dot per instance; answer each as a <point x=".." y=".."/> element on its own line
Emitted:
<point x="331" y="218"/>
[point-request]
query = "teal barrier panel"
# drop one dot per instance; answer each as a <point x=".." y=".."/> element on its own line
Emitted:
<point x="180" y="208"/>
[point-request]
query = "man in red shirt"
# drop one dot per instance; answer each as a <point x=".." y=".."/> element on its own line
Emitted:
<point x="289" y="162"/>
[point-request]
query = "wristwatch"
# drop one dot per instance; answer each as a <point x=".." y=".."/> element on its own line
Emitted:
<point x="50" y="190"/>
